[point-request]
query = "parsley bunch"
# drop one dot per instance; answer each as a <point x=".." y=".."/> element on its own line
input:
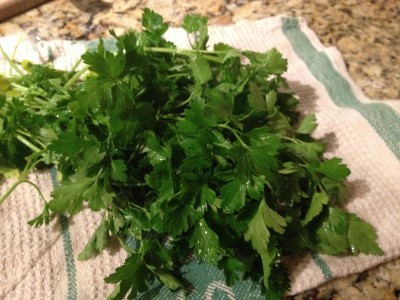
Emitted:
<point x="189" y="152"/>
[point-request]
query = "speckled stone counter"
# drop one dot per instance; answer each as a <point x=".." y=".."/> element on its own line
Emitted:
<point x="367" y="33"/>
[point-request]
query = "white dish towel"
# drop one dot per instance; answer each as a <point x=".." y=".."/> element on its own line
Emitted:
<point x="42" y="263"/>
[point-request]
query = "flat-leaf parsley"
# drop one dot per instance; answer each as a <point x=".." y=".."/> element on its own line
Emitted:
<point x="189" y="152"/>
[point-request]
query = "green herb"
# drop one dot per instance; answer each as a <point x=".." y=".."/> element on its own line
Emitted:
<point x="187" y="151"/>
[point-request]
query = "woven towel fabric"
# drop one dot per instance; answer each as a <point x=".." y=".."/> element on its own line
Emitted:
<point x="41" y="263"/>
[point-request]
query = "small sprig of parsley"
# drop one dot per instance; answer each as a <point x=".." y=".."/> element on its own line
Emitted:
<point x="189" y="152"/>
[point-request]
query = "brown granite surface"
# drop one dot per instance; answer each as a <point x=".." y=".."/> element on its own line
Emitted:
<point x="367" y="33"/>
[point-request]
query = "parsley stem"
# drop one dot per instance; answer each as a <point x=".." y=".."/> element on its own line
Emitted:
<point x="19" y="87"/>
<point x="183" y="103"/>
<point x="22" y="178"/>
<point x="235" y="134"/>
<point x="212" y="58"/>
<point x="75" y="66"/>
<point x="15" y="52"/>
<point x="11" y="62"/>
<point x="125" y="245"/>
<point x="172" y="117"/>
<point x="9" y="191"/>
<point x="27" y="143"/>
<point x="138" y="184"/>
<point x="29" y="135"/>
<point x="181" y="51"/>
<point x="294" y="141"/>
<point x="207" y="54"/>
<point x="76" y="76"/>
<point x="246" y="116"/>
<point x="36" y="188"/>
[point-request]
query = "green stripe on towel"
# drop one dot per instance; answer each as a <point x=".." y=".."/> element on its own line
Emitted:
<point x="326" y="271"/>
<point x="68" y="251"/>
<point x="384" y="119"/>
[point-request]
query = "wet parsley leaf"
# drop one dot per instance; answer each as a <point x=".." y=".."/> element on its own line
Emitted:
<point x="131" y="278"/>
<point x="308" y="125"/>
<point x="232" y="267"/>
<point x="316" y="205"/>
<point x="205" y="242"/>
<point x="97" y="242"/>
<point x="362" y="237"/>
<point x="233" y="196"/>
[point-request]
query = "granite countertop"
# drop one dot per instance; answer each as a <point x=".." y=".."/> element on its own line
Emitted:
<point x="367" y="33"/>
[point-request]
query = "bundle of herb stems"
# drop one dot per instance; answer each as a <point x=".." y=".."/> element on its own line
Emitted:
<point x="190" y="152"/>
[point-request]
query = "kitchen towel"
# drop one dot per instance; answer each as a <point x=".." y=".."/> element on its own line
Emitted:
<point x="42" y="263"/>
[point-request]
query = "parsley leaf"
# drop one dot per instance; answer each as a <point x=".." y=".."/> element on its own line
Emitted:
<point x="362" y="237"/>
<point x="118" y="171"/>
<point x="153" y="22"/>
<point x="308" y="151"/>
<point x="97" y="242"/>
<point x="104" y="62"/>
<point x="331" y="234"/>
<point x="308" y="125"/>
<point x="233" y="196"/>
<point x="205" y="242"/>
<point x="69" y="196"/>
<point x="259" y="235"/>
<point x="201" y="69"/>
<point x="317" y="202"/>
<point x="258" y="232"/>
<point x="132" y="277"/>
<point x="334" y="168"/>
<point x="255" y="98"/>
<point x="232" y="268"/>
<point x="197" y="25"/>
<point x="70" y="144"/>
